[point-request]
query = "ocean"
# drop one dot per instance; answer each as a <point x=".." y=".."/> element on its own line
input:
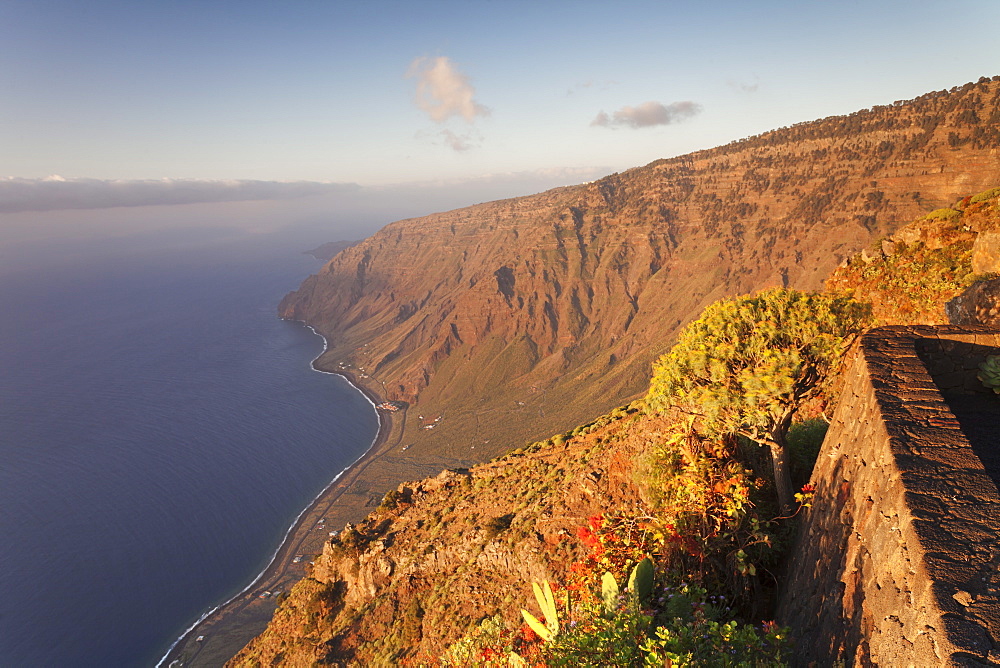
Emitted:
<point x="160" y="428"/>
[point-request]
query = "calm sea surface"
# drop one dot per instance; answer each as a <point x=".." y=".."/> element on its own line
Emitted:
<point x="160" y="428"/>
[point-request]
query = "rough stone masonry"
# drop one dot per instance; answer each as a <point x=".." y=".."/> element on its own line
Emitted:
<point x="897" y="562"/>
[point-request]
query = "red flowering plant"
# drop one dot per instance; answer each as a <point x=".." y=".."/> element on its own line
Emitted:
<point x="805" y="496"/>
<point x="616" y="543"/>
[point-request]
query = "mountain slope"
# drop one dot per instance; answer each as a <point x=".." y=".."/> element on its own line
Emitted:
<point x="422" y="569"/>
<point x="440" y="555"/>
<point x="513" y="319"/>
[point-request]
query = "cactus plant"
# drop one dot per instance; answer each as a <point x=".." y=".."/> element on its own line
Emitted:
<point x="609" y="592"/>
<point x="989" y="373"/>
<point x="640" y="582"/>
<point x="547" y="602"/>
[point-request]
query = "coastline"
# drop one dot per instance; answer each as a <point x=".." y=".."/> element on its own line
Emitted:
<point x="228" y="627"/>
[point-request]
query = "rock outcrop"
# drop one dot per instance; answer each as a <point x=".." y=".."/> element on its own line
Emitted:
<point x="978" y="305"/>
<point x="986" y="253"/>
<point x="925" y="272"/>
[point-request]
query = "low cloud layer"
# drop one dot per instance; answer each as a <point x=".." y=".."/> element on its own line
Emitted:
<point x="56" y="193"/>
<point x="443" y="91"/>
<point x="648" y="114"/>
<point x="40" y="211"/>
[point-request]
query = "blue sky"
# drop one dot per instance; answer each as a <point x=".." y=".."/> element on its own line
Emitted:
<point x="516" y="96"/>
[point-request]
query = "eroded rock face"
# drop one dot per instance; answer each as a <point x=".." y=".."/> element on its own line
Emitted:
<point x="986" y="253"/>
<point x="978" y="305"/>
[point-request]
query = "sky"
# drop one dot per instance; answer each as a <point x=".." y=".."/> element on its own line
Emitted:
<point x="384" y="109"/>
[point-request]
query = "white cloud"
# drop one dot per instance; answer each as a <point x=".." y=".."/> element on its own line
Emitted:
<point x="459" y="142"/>
<point x="443" y="91"/>
<point x="57" y="193"/>
<point x="648" y="114"/>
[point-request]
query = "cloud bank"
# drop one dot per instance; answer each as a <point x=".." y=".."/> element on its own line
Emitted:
<point x="34" y="210"/>
<point x="56" y="193"/>
<point x="648" y="114"/>
<point x="443" y="91"/>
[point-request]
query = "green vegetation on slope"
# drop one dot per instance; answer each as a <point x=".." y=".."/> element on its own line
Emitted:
<point x="748" y="364"/>
<point x="909" y="276"/>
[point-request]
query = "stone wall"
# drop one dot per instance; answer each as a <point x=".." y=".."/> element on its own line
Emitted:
<point x="897" y="561"/>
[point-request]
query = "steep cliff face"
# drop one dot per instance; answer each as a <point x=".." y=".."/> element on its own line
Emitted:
<point x="521" y="316"/>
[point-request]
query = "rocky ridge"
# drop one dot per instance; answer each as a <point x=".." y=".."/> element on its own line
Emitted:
<point x="512" y="319"/>
<point x="932" y="270"/>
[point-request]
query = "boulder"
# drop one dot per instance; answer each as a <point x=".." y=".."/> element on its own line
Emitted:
<point x="978" y="305"/>
<point x="986" y="253"/>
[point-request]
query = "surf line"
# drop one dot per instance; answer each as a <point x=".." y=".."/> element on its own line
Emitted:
<point x="295" y="523"/>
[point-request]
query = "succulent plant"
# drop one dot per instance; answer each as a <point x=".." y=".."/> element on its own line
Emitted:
<point x="989" y="373"/>
<point x="547" y="602"/>
<point x="609" y="592"/>
<point x="641" y="581"/>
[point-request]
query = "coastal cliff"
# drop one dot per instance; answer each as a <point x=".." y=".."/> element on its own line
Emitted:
<point x="441" y="559"/>
<point x="482" y="317"/>
<point x="441" y="554"/>
<point x="513" y="319"/>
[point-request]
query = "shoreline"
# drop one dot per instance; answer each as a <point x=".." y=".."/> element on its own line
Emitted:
<point x="282" y="570"/>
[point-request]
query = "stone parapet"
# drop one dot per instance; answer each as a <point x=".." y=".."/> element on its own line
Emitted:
<point x="897" y="562"/>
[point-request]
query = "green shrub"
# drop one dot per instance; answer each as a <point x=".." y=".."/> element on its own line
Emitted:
<point x="497" y="525"/>
<point x="804" y="441"/>
<point x="706" y="638"/>
<point x="989" y="373"/>
<point x="943" y="214"/>
<point x="390" y="501"/>
<point x="986" y="195"/>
